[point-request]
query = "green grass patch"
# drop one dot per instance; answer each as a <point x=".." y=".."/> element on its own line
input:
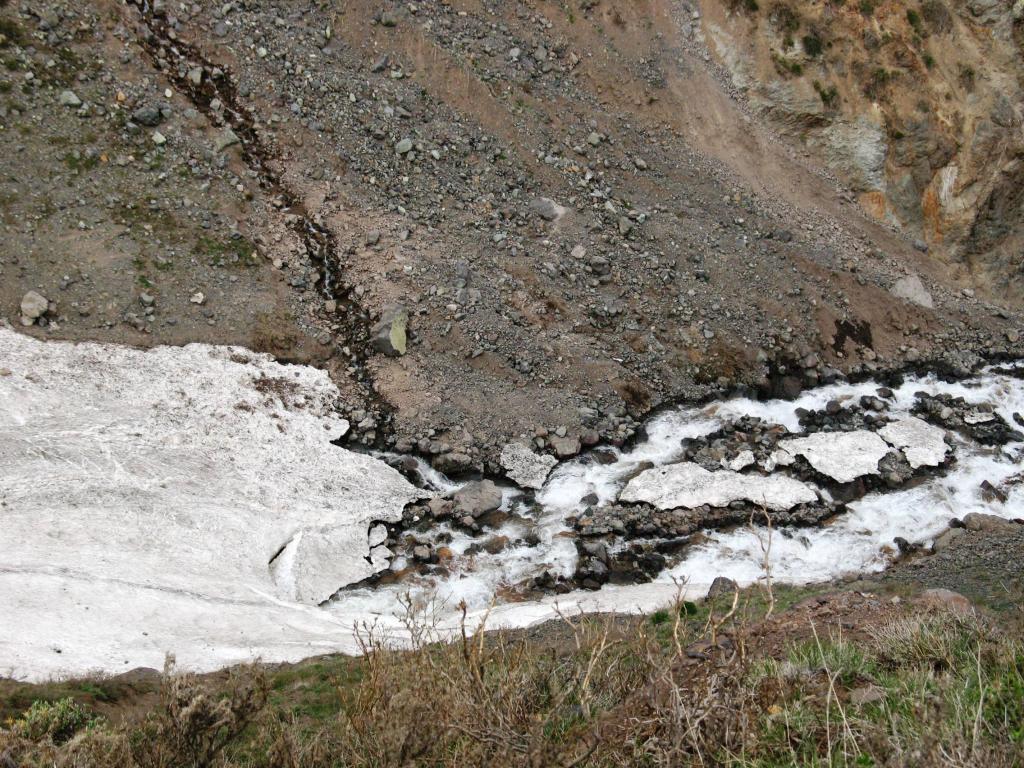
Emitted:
<point x="786" y="66"/>
<point x="812" y="45"/>
<point x="829" y="95"/>
<point x="11" y="32"/>
<point x="233" y="251"/>
<point x="921" y="687"/>
<point x="80" y="163"/>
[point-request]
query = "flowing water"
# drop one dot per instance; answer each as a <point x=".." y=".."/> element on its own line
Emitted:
<point x="215" y="516"/>
<point x="859" y="540"/>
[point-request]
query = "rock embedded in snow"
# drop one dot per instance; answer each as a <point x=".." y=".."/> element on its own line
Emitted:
<point x="843" y="456"/>
<point x="923" y="444"/>
<point x="689" y="485"/>
<point x="145" y="494"/>
<point x="524" y="467"/>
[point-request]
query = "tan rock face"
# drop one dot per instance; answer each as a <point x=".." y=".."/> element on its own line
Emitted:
<point x="917" y="110"/>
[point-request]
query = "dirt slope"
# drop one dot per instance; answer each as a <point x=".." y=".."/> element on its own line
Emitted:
<point x="413" y="145"/>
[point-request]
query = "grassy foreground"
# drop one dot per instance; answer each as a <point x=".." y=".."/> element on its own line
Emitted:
<point x="740" y="681"/>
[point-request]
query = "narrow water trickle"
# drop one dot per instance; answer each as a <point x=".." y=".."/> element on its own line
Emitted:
<point x="176" y="59"/>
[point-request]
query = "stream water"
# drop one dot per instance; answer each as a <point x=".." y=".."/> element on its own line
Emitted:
<point x="860" y="539"/>
<point x="215" y="516"/>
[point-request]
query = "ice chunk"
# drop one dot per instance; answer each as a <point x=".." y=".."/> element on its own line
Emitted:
<point x="689" y="485"/>
<point x="923" y="444"/>
<point x="526" y="468"/>
<point x="843" y="456"/>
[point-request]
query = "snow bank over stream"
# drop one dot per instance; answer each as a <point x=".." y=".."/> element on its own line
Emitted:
<point x="189" y="500"/>
<point x="143" y="495"/>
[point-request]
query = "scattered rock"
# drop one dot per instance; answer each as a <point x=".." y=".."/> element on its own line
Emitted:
<point x="547" y="209"/>
<point x="912" y="289"/>
<point x="148" y="115"/>
<point x="565" y="447"/>
<point x="978" y="521"/>
<point x="722" y="585"/>
<point x="388" y="336"/>
<point x="946" y="599"/>
<point x="477" y="498"/>
<point x="228" y="138"/>
<point x="33" y="306"/>
<point x="946" y="538"/>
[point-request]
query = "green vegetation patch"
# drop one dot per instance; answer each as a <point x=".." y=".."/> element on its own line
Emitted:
<point x="706" y="683"/>
<point x="233" y="251"/>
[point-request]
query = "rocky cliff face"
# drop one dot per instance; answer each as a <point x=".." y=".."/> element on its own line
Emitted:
<point x="916" y="106"/>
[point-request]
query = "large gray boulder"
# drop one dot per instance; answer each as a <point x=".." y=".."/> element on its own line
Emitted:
<point x="477" y="498"/>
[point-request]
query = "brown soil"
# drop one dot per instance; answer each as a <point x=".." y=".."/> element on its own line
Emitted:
<point x="713" y="253"/>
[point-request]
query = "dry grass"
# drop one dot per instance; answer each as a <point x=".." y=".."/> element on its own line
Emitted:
<point x="927" y="689"/>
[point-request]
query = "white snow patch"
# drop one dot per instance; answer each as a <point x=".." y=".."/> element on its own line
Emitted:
<point x="843" y="456"/>
<point x="689" y="485"/>
<point x="139" y="508"/>
<point x="924" y="445"/>
<point x="143" y="494"/>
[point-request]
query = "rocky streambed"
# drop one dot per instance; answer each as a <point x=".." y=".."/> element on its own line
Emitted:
<point x="197" y="500"/>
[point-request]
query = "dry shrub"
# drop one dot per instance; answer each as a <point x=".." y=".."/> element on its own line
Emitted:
<point x="484" y="699"/>
<point x="686" y="687"/>
<point x="193" y="727"/>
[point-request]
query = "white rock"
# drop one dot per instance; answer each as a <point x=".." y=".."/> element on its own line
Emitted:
<point x="69" y="99"/>
<point x="923" y="444"/>
<point x="197" y="298"/>
<point x="33" y="306"/>
<point x="145" y="493"/>
<point x="524" y="467"/>
<point x="159" y="139"/>
<point x="843" y="456"/>
<point x="689" y="485"/>
<point x="912" y="289"/>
